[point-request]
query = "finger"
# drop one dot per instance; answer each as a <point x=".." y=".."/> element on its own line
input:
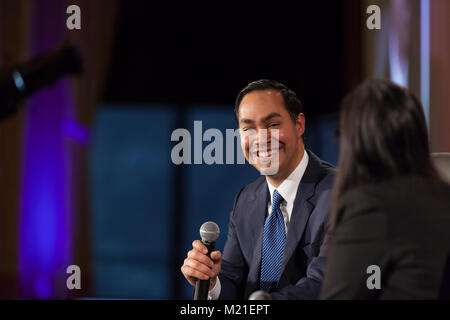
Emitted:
<point x="216" y="270"/>
<point x="191" y="272"/>
<point x="197" y="244"/>
<point x="216" y="256"/>
<point x="198" y="266"/>
<point x="192" y="280"/>
<point x="200" y="257"/>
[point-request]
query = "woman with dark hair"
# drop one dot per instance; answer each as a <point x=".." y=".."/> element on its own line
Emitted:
<point x="390" y="218"/>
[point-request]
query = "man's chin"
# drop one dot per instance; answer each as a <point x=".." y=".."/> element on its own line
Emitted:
<point x="268" y="170"/>
<point x="267" y="166"/>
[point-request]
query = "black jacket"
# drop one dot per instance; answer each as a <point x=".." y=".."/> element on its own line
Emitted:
<point x="404" y="228"/>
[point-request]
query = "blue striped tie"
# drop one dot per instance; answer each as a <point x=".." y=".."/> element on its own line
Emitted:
<point x="274" y="238"/>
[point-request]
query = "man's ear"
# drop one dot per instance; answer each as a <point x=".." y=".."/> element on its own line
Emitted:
<point x="300" y="124"/>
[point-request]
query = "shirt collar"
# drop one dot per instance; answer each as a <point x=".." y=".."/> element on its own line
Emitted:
<point x="288" y="188"/>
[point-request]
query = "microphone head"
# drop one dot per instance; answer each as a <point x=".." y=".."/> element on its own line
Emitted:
<point x="260" y="295"/>
<point x="209" y="231"/>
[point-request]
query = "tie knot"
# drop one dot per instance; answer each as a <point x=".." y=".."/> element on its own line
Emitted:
<point x="277" y="199"/>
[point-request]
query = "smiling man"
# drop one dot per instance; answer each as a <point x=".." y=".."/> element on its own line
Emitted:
<point x="278" y="223"/>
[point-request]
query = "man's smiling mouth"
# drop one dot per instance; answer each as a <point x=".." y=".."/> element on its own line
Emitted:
<point x="265" y="155"/>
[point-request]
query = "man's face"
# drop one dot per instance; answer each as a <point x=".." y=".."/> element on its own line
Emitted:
<point x="269" y="137"/>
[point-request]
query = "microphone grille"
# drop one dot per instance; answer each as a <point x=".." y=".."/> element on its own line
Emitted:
<point x="209" y="231"/>
<point x="260" y="295"/>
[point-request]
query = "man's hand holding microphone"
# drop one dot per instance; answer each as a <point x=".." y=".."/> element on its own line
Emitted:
<point x="202" y="264"/>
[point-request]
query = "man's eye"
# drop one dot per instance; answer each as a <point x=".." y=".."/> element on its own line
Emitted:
<point x="273" y="125"/>
<point x="248" y="131"/>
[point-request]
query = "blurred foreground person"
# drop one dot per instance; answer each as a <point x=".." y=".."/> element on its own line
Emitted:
<point x="390" y="219"/>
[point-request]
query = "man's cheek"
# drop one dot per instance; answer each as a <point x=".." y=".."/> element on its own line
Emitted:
<point x="245" y="145"/>
<point x="283" y="135"/>
<point x="278" y="134"/>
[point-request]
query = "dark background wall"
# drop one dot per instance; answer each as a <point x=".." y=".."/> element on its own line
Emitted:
<point x="206" y="52"/>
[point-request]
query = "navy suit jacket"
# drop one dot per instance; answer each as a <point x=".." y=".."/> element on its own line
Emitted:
<point x="303" y="261"/>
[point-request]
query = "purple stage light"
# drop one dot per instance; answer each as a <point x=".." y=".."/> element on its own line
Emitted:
<point x="45" y="223"/>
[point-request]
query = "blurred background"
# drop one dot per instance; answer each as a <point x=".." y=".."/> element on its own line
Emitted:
<point x="86" y="176"/>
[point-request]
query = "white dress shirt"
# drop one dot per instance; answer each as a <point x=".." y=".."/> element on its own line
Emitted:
<point x="288" y="190"/>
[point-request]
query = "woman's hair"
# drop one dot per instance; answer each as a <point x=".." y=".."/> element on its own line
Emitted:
<point x="382" y="136"/>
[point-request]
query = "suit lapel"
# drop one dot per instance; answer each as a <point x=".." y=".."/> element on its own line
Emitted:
<point x="299" y="217"/>
<point x="302" y="208"/>
<point x="257" y="216"/>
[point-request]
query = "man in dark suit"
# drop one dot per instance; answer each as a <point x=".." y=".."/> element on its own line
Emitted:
<point x="278" y="223"/>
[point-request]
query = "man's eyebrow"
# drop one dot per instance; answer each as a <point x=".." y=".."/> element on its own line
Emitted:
<point x="264" y="119"/>
<point x="247" y="121"/>
<point x="270" y="116"/>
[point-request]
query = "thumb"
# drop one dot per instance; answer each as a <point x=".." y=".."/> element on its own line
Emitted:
<point x="216" y="256"/>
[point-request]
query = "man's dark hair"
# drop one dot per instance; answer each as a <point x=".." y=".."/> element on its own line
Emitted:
<point x="291" y="102"/>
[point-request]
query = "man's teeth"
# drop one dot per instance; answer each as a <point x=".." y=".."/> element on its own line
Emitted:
<point x="266" y="153"/>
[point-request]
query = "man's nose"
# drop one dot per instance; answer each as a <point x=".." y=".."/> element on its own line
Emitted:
<point x="263" y="137"/>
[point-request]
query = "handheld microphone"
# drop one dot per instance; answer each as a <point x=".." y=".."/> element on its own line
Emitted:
<point x="260" y="295"/>
<point x="209" y="232"/>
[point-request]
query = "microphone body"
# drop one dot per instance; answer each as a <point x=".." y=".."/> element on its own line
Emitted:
<point x="202" y="286"/>
<point x="209" y="232"/>
<point x="19" y="82"/>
